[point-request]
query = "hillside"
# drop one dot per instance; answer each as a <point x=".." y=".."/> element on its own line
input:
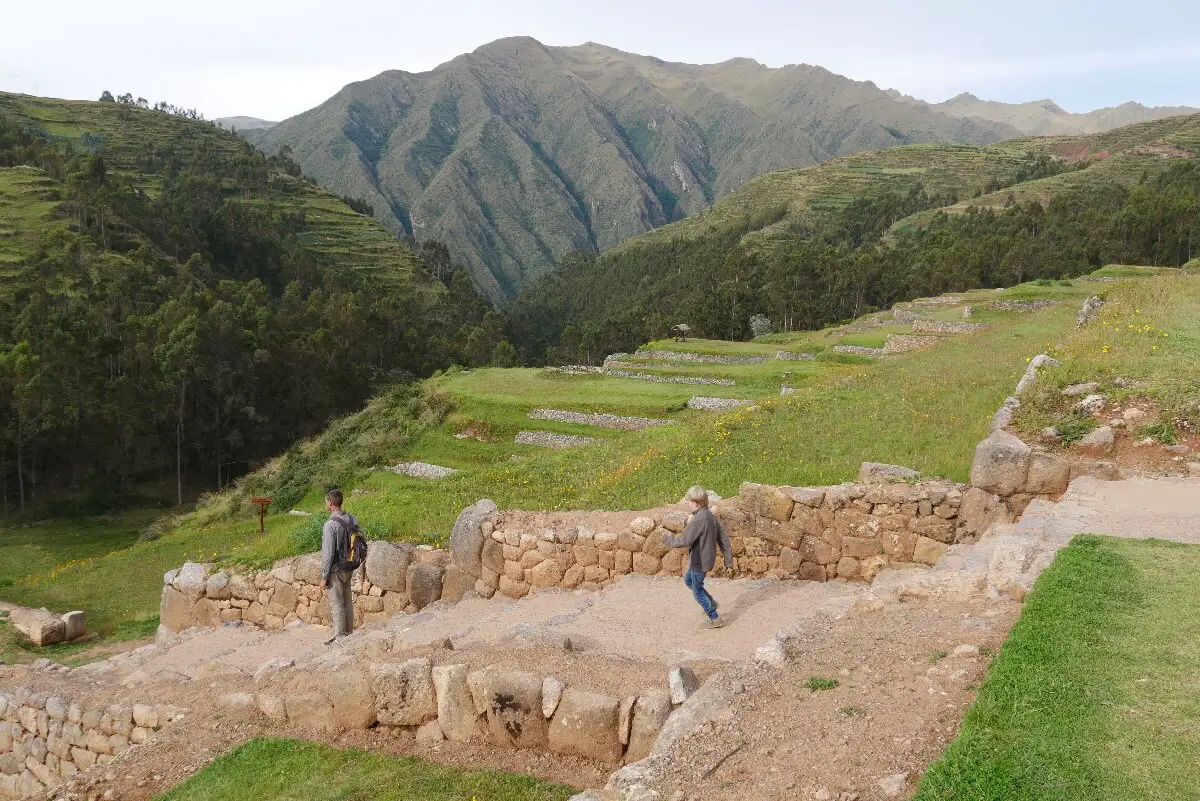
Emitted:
<point x="811" y="246"/>
<point x="1047" y="118"/>
<point x="517" y="154"/>
<point x="175" y="305"/>
<point x="245" y="123"/>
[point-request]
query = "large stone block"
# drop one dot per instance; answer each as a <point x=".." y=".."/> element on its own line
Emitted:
<point x="424" y="582"/>
<point x="492" y="557"/>
<point x="736" y="522"/>
<point x="928" y="551"/>
<point x="899" y="544"/>
<point x="514" y="708"/>
<point x="785" y="535"/>
<point x="242" y="588"/>
<point x="1049" y="474"/>
<point x="192" y="579"/>
<point x="467" y="537"/>
<point x="933" y="527"/>
<point x="813" y="549"/>
<point x="860" y="547"/>
<point x="1001" y="464"/>
<point x="765" y="501"/>
<point x="880" y="473"/>
<point x="309" y="709"/>
<point x="175" y="609"/>
<point x="585" y="724"/>
<point x="283" y="600"/>
<point x="38" y="625"/>
<point x="388" y="563"/>
<point x="651" y="711"/>
<point x="404" y="693"/>
<point x="547" y="573"/>
<point x="217" y="587"/>
<point x="1104" y="471"/>
<point x="455" y="708"/>
<point x="456" y="582"/>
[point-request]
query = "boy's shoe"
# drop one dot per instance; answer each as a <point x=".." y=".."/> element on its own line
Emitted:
<point x="715" y="623"/>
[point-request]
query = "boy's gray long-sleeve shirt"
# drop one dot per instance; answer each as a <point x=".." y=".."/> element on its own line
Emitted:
<point x="335" y="542"/>
<point x="703" y="534"/>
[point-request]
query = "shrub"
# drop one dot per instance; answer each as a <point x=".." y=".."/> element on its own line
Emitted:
<point x="1163" y="431"/>
<point x="760" y="326"/>
<point x="817" y="683"/>
<point x="306" y="537"/>
<point x="1075" y="428"/>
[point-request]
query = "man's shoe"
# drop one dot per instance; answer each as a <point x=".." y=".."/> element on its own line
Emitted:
<point x="715" y="623"/>
<point x="331" y="640"/>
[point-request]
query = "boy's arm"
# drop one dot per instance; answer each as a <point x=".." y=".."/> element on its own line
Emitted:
<point x="685" y="538"/>
<point x="327" y="537"/>
<point x="726" y="545"/>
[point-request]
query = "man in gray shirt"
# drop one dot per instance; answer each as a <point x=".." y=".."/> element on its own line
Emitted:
<point x="702" y="536"/>
<point x="335" y="575"/>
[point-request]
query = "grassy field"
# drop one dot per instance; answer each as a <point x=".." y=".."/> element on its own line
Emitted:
<point x="285" y="770"/>
<point x="925" y="409"/>
<point x="1095" y="696"/>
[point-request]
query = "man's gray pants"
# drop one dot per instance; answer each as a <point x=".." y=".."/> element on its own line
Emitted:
<point x="341" y="602"/>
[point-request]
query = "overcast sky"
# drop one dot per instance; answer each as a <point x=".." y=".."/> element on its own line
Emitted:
<point x="273" y="59"/>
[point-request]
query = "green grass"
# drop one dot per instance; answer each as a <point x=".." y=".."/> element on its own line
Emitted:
<point x="817" y="684"/>
<point x="284" y="770"/>
<point x="1095" y="696"/>
<point x="38" y="547"/>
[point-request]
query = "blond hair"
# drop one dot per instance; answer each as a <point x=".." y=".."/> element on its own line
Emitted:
<point x="697" y="494"/>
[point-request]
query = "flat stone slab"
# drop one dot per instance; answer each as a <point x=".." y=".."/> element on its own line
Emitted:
<point x="602" y="420"/>
<point x="421" y="470"/>
<point x="548" y="439"/>
<point x="716" y="404"/>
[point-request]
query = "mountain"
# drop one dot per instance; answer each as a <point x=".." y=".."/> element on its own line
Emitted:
<point x="518" y="153"/>
<point x="244" y="123"/>
<point x="1047" y="118"/>
<point x="819" y="244"/>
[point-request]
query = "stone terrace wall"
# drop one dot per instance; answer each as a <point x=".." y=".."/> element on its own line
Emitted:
<point x="45" y="739"/>
<point x="850" y="531"/>
<point x="945" y="327"/>
<point x="512" y="708"/>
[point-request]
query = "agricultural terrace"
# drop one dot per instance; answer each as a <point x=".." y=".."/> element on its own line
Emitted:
<point x="925" y="408"/>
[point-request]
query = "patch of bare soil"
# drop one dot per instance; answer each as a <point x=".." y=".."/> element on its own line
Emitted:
<point x="901" y="695"/>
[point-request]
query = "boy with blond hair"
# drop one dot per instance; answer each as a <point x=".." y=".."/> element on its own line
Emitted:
<point x="702" y="536"/>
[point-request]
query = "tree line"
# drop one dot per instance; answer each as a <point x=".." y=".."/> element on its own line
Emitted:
<point x="833" y="268"/>
<point x="186" y="334"/>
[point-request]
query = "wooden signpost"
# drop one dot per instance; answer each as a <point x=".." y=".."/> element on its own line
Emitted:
<point x="262" y="504"/>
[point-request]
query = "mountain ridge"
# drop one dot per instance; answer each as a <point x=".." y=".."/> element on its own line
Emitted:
<point x="518" y="153"/>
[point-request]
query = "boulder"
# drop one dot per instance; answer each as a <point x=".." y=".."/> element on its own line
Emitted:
<point x="547" y="573"/>
<point x="353" y="696"/>
<point x="283" y="600"/>
<point x="39" y="626"/>
<point x="805" y="496"/>
<point x="192" y="579"/>
<point x="75" y="625"/>
<point x="309" y="709"/>
<point x="467" y="537"/>
<point x="1092" y="404"/>
<point x="175" y="609"/>
<point x="217" y="587"/>
<point x="928" y="551"/>
<point x="650" y="713"/>
<point x="586" y="725"/>
<point x="1049" y="474"/>
<point x="765" y="501"/>
<point x="388" y="563"/>
<point x="242" y="588"/>
<point x="424" y="581"/>
<point x="430" y="733"/>
<point x="456" y="713"/>
<point x="404" y="693"/>
<point x="456" y="583"/>
<point x="683" y="682"/>
<point x="514" y="708"/>
<point x="1097" y="442"/>
<point x="308" y="568"/>
<point x="1001" y="464"/>
<point x="880" y="473"/>
<point x="1079" y="390"/>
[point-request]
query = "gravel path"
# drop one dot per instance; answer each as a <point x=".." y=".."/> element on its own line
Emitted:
<point x="612" y="421"/>
<point x="547" y="439"/>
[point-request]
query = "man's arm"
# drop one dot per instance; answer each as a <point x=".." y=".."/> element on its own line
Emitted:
<point x="327" y="541"/>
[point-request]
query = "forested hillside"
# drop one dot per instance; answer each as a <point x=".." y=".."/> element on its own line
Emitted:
<point x="517" y="154"/>
<point x="177" y="306"/>
<point x="819" y="245"/>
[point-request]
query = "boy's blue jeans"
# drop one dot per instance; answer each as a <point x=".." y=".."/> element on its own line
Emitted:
<point x="694" y="579"/>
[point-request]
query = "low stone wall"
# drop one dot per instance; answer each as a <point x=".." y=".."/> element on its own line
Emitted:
<point x="945" y="327"/>
<point x="512" y="708"/>
<point x="860" y="350"/>
<point x="47" y="738"/>
<point x="902" y="343"/>
<point x="851" y="531"/>
<point x="1021" y="306"/>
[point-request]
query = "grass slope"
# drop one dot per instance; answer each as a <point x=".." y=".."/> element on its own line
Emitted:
<point x="128" y="138"/>
<point x="282" y="770"/>
<point x="1094" y="696"/>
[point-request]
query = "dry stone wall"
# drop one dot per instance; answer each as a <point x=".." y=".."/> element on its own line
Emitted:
<point x="511" y="708"/>
<point x="945" y="327"/>
<point x="45" y="739"/>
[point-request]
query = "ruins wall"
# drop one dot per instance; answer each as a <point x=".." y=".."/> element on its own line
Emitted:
<point x="47" y="738"/>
